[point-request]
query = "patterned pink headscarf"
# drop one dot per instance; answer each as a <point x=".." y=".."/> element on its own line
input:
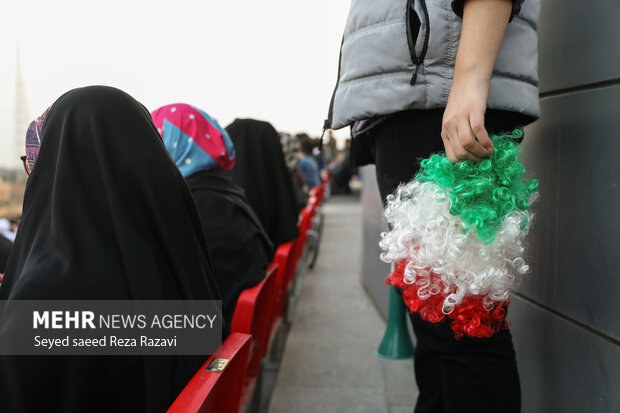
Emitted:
<point x="195" y="140"/>
<point x="33" y="138"/>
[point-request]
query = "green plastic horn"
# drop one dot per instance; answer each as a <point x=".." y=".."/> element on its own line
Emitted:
<point x="396" y="343"/>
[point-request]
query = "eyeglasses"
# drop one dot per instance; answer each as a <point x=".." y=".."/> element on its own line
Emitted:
<point x="26" y="164"/>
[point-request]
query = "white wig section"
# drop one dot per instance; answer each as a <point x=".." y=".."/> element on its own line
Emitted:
<point x="426" y="236"/>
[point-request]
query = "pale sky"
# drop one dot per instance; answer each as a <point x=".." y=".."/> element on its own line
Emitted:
<point x="274" y="60"/>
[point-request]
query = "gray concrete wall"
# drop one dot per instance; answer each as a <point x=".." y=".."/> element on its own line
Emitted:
<point x="374" y="271"/>
<point x="566" y="317"/>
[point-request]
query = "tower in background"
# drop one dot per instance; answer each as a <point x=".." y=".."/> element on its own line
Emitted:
<point x="13" y="105"/>
<point x="21" y="105"/>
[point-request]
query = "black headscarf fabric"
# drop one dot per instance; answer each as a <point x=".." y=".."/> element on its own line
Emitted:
<point x="106" y="216"/>
<point x="261" y="171"/>
<point x="239" y="247"/>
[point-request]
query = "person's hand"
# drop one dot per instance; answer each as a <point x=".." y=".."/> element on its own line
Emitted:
<point x="463" y="133"/>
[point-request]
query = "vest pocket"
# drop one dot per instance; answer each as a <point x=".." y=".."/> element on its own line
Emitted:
<point x="414" y="25"/>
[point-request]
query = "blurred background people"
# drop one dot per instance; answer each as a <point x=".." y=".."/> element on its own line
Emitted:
<point x="342" y="171"/>
<point x="8" y="229"/>
<point x="239" y="247"/>
<point x="290" y="148"/>
<point x="15" y="224"/>
<point x="261" y="171"/>
<point x="307" y="163"/>
<point x="319" y="155"/>
<point x="5" y="251"/>
<point x="331" y="147"/>
<point x="6" y="242"/>
<point x="106" y="216"/>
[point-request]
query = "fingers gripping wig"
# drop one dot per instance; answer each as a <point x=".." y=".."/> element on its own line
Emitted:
<point x="457" y="237"/>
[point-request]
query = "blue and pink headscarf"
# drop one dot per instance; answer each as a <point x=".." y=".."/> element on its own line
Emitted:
<point x="195" y="140"/>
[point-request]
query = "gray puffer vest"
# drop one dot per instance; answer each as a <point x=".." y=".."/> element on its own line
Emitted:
<point x="399" y="54"/>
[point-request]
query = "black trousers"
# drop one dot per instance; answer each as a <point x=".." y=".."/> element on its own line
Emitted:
<point x="466" y="375"/>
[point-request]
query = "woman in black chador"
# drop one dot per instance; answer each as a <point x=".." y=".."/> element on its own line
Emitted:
<point x="240" y="249"/>
<point x="106" y="216"/>
<point x="261" y="171"/>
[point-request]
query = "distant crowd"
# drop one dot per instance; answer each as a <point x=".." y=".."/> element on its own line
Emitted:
<point x="8" y="231"/>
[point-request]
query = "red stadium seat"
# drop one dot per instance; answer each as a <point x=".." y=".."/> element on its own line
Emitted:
<point x="313" y="202"/>
<point x="284" y="257"/>
<point x="288" y="256"/>
<point x="321" y="193"/>
<point x="255" y="313"/>
<point x="305" y="218"/>
<point x="314" y="232"/>
<point x="295" y="253"/>
<point x="315" y="196"/>
<point x="325" y="176"/>
<point x="313" y="193"/>
<point x="216" y="387"/>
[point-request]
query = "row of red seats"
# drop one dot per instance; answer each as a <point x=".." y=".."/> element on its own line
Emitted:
<point x="227" y="381"/>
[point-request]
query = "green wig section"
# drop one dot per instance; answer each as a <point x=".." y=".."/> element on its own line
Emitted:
<point x="483" y="193"/>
